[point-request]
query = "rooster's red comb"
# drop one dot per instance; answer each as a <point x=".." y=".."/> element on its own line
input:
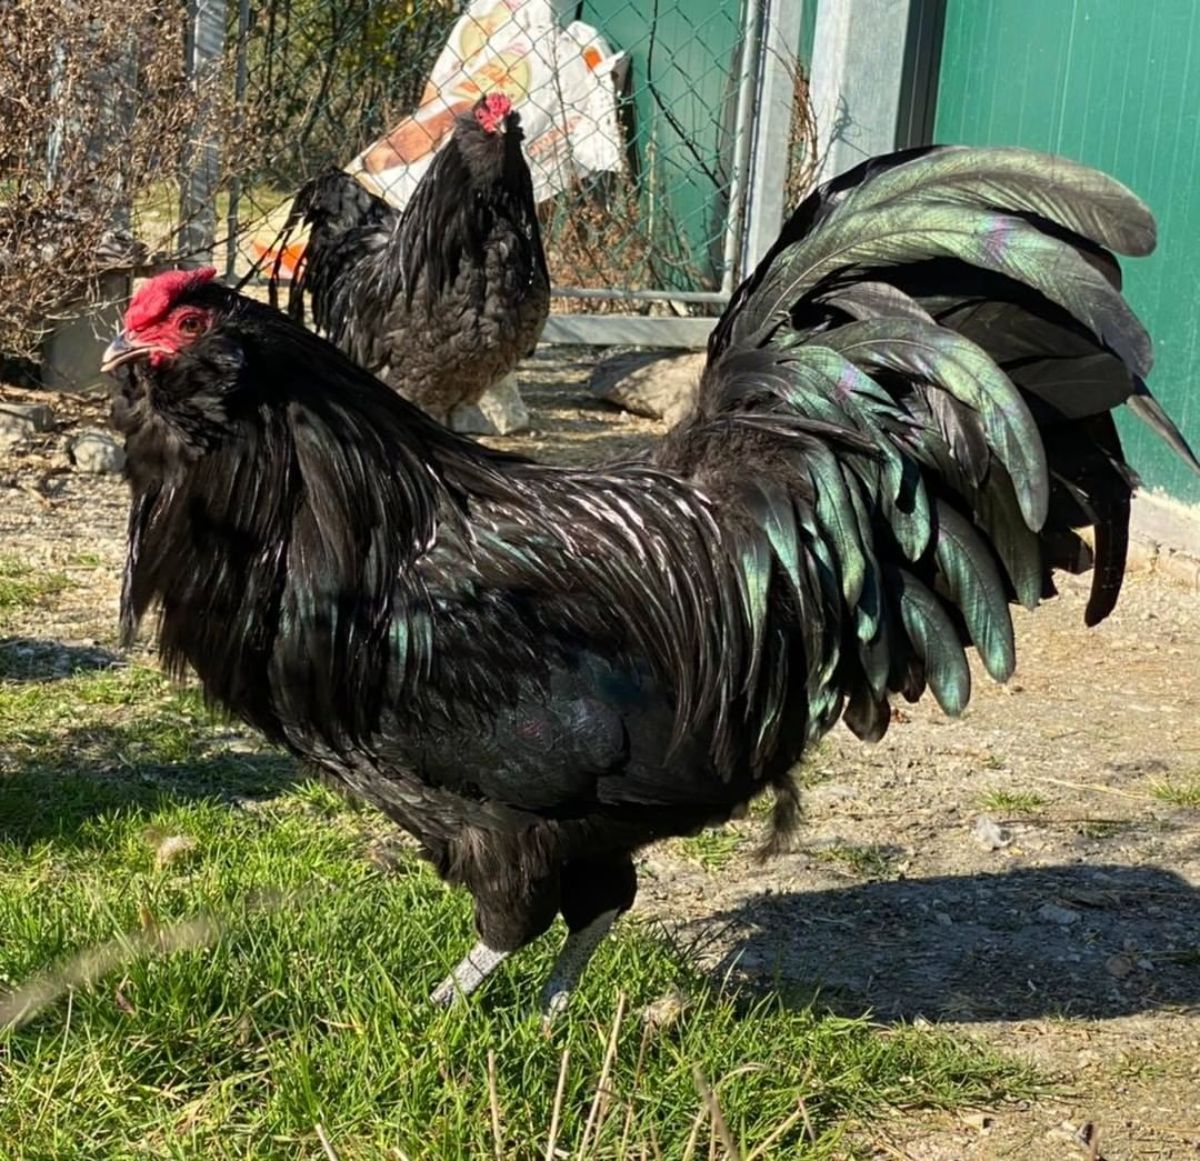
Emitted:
<point x="154" y="301"/>
<point x="498" y="104"/>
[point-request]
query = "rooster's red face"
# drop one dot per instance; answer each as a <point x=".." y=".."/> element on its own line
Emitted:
<point x="160" y="323"/>
<point x="492" y="112"/>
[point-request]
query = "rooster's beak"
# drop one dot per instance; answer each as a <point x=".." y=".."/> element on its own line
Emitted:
<point x="119" y="351"/>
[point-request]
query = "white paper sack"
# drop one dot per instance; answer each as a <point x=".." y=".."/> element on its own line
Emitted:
<point x="561" y="80"/>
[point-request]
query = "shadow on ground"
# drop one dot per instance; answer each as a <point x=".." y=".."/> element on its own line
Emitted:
<point x="1082" y="941"/>
<point x="95" y="772"/>
<point x="28" y="659"/>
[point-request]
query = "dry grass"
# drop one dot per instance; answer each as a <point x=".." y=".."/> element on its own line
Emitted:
<point x="93" y="111"/>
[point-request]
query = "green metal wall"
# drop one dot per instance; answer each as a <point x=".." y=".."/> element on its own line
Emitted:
<point x="1114" y="83"/>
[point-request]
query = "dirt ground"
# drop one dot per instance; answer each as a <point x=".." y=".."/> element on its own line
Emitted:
<point x="1070" y="934"/>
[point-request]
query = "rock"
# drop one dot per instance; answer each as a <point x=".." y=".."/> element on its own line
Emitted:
<point x="37" y="416"/>
<point x="665" y="1011"/>
<point x="989" y="834"/>
<point x="656" y="384"/>
<point x="1053" y="913"/>
<point x="97" y="451"/>
<point x="14" y="430"/>
<point x="20" y="422"/>
<point x="499" y="411"/>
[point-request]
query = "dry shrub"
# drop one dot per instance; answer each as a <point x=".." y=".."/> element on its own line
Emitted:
<point x="804" y="157"/>
<point x="96" y="111"/>
<point x="593" y="241"/>
<point x="326" y="77"/>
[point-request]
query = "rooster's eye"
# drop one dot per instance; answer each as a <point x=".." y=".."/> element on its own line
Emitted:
<point x="191" y="324"/>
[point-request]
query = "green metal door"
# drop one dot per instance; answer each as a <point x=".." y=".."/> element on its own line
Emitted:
<point x="1116" y="84"/>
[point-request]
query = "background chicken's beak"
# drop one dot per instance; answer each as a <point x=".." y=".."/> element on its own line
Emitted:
<point x="119" y="351"/>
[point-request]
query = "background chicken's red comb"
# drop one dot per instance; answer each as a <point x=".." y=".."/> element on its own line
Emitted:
<point x="156" y="298"/>
<point x="498" y="104"/>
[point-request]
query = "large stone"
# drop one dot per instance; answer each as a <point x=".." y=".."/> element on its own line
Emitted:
<point x="97" y="451"/>
<point x="499" y="411"/>
<point x="28" y="416"/>
<point x="656" y="384"/>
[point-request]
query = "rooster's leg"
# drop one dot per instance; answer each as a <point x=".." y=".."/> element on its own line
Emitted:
<point x="594" y="892"/>
<point x="508" y="915"/>
<point x="579" y="947"/>
<point x="473" y="969"/>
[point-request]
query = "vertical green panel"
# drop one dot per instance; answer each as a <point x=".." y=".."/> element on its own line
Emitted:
<point x="1116" y="84"/>
<point x="682" y="56"/>
<point x="808" y="32"/>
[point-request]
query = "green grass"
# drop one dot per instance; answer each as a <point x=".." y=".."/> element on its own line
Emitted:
<point x="271" y="977"/>
<point x="1012" y="801"/>
<point x="1104" y="828"/>
<point x="869" y="861"/>
<point x="22" y="586"/>
<point x="1185" y="793"/>
<point x="713" y="849"/>
<point x="157" y="207"/>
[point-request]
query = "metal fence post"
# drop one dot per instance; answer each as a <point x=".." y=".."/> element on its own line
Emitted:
<point x="857" y="79"/>
<point x="240" y="77"/>
<point x="743" y="131"/>
<point x="109" y="95"/>
<point x="204" y="47"/>
<point x="96" y="112"/>
<point x="772" y="138"/>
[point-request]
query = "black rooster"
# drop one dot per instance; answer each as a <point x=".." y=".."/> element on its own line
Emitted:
<point x="443" y="299"/>
<point x="905" y="416"/>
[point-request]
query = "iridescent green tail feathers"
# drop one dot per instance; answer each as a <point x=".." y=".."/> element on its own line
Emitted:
<point x="955" y="316"/>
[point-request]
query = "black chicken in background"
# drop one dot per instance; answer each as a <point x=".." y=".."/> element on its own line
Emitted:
<point x="440" y="300"/>
<point x="905" y="421"/>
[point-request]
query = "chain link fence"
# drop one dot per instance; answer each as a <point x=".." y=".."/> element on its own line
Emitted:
<point x="655" y="225"/>
<point x="96" y="106"/>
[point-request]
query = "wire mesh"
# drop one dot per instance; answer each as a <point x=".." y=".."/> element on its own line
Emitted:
<point x="321" y="80"/>
<point x="662" y="223"/>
